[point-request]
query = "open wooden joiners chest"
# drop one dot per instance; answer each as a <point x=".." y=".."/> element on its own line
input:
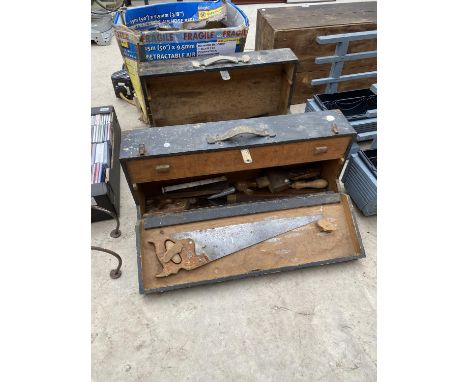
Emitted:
<point x="215" y="88"/>
<point x="157" y="160"/>
<point x="298" y="27"/>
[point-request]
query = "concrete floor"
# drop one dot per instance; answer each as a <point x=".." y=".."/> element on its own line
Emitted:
<point x="315" y="324"/>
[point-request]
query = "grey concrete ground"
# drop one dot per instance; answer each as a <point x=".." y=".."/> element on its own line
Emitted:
<point x="315" y="324"/>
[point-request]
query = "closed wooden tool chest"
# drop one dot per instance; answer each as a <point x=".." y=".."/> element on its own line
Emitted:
<point x="206" y="89"/>
<point x="260" y="192"/>
<point x="298" y="27"/>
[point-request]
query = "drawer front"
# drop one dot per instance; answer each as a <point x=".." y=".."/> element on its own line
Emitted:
<point x="201" y="164"/>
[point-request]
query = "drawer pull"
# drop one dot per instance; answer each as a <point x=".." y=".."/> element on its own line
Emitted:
<point x="163" y="168"/>
<point x="237" y="131"/>
<point x="320" y="150"/>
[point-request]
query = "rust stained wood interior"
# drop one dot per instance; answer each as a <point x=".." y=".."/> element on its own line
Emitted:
<point x="302" y="247"/>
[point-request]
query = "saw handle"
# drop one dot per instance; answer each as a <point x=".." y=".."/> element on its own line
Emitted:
<point x="317" y="183"/>
<point x="177" y="254"/>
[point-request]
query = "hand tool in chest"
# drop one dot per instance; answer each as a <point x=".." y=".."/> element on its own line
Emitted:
<point x="276" y="203"/>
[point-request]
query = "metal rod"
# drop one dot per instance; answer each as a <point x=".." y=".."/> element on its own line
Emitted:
<point x="197" y="183"/>
<point x="346" y="37"/>
<point x="116" y="232"/>
<point x="348" y="57"/>
<point x="337" y="67"/>
<point x="371" y="113"/>
<point x="366" y="136"/>
<point x="343" y="78"/>
<point x="363" y="122"/>
<point x="114" y="273"/>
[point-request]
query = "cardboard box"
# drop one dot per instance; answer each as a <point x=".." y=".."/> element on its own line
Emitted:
<point x="177" y="30"/>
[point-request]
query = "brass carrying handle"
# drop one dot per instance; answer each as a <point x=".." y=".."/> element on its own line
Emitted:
<point x="213" y="60"/>
<point x="237" y="131"/>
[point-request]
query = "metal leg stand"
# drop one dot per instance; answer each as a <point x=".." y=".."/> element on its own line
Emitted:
<point x="116" y="232"/>
<point x="114" y="273"/>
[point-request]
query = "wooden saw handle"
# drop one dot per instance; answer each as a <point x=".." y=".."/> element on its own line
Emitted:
<point x="174" y="255"/>
<point x="317" y="183"/>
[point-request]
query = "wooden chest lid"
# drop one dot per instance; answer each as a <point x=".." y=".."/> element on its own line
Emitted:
<point x="186" y="66"/>
<point x="320" y="15"/>
<point x="193" y="138"/>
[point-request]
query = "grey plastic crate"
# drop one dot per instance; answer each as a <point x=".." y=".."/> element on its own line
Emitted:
<point x="374" y="144"/>
<point x="360" y="180"/>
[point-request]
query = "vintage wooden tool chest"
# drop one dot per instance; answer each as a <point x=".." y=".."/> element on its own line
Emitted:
<point x="215" y="88"/>
<point x="157" y="161"/>
<point x="298" y="27"/>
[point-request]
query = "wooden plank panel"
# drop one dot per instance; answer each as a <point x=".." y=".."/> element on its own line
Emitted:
<point x="185" y="65"/>
<point x="299" y="248"/>
<point x="187" y="166"/>
<point x="318" y="15"/>
<point x="264" y="34"/>
<point x="287" y="82"/>
<point x="302" y="43"/>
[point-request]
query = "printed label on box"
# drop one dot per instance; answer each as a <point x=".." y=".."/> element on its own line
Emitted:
<point x="227" y="47"/>
<point x="215" y="47"/>
<point x="142" y="40"/>
<point x="202" y="15"/>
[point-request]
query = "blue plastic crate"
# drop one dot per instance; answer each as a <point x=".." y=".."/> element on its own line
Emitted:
<point x="360" y="180"/>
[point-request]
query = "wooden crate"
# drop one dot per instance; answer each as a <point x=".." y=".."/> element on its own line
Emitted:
<point x="187" y="91"/>
<point x="298" y="27"/>
<point x="152" y="159"/>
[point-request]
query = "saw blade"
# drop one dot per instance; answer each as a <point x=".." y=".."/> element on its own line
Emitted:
<point x="222" y="241"/>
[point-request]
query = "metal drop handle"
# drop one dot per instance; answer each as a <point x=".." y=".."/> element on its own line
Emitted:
<point x="237" y="131"/>
<point x="213" y="60"/>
